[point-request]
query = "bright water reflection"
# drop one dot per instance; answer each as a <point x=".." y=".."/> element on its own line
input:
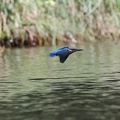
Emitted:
<point x="36" y="87"/>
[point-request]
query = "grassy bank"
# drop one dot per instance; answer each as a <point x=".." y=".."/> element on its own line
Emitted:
<point x="54" y="22"/>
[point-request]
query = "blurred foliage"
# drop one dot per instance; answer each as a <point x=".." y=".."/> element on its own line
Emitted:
<point x="48" y="20"/>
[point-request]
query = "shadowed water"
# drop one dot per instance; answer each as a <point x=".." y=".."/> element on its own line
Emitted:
<point x="34" y="86"/>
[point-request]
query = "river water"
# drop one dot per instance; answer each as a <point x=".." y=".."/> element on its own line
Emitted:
<point x="34" y="86"/>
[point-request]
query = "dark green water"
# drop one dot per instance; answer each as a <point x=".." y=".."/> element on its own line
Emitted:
<point x="34" y="86"/>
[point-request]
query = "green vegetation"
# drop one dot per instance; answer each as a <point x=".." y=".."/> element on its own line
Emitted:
<point x="51" y="22"/>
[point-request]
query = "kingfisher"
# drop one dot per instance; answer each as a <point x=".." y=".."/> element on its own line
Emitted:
<point x="63" y="53"/>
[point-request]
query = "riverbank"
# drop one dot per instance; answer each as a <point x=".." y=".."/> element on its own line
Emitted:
<point x="50" y="23"/>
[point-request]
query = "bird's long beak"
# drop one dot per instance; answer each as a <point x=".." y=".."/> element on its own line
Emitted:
<point x="72" y="50"/>
<point x="79" y="49"/>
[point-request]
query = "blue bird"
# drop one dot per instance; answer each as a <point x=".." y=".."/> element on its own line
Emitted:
<point x="63" y="53"/>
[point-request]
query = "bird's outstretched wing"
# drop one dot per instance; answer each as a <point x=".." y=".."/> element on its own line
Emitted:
<point x="63" y="55"/>
<point x="63" y="58"/>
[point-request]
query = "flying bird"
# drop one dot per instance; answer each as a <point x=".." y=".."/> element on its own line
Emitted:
<point x="63" y="53"/>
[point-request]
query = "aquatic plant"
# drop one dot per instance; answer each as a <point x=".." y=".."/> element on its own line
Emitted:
<point x="51" y="22"/>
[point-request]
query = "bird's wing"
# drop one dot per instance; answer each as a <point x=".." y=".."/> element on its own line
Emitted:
<point x="63" y="58"/>
<point x="63" y="55"/>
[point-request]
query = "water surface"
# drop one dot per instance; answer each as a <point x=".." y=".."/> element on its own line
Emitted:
<point x="34" y="86"/>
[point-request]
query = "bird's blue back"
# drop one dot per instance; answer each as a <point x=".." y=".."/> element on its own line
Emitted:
<point x="62" y="51"/>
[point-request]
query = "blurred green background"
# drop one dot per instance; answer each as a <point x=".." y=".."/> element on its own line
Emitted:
<point x="54" y="22"/>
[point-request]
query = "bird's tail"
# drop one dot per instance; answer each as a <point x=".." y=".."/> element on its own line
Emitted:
<point x="52" y="54"/>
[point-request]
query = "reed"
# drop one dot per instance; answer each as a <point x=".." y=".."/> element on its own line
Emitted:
<point x="51" y="22"/>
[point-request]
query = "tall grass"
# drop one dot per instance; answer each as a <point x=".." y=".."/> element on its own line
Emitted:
<point x="47" y="22"/>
